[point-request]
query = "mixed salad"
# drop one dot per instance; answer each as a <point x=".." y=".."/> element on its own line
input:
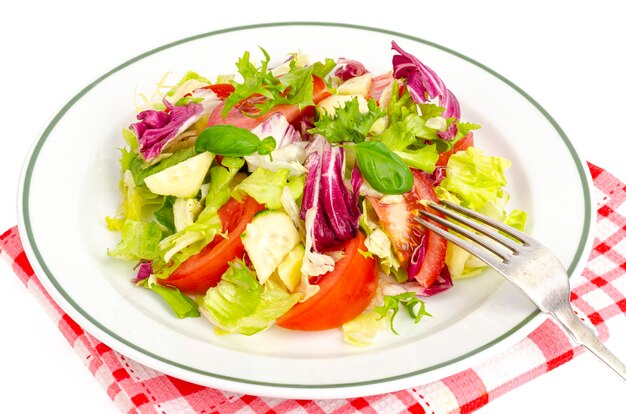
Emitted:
<point x="286" y="194"/>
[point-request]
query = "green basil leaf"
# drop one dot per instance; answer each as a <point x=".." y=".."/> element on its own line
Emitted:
<point x="267" y="145"/>
<point x="382" y="168"/>
<point x="227" y="140"/>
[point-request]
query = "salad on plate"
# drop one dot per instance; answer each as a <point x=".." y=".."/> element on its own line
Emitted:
<point x="285" y="194"/>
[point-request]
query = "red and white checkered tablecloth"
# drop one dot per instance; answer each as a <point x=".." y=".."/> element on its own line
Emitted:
<point x="598" y="295"/>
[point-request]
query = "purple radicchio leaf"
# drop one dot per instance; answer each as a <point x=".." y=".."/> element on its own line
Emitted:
<point x="337" y="213"/>
<point x="423" y="83"/>
<point x="356" y="181"/>
<point x="311" y="185"/>
<point x="323" y="235"/>
<point x="144" y="270"/>
<point x="348" y="69"/>
<point x="336" y="200"/>
<point x="246" y="260"/>
<point x="441" y="284"/>
<point x="156" y="129"/>
<point x="305" y="124"/>
<point x="450" y="133"/>
<point x="417" y="258"/>
<point x="436" y="177"/>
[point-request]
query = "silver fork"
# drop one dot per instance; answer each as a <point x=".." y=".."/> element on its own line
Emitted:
<point x="526" y="263"/>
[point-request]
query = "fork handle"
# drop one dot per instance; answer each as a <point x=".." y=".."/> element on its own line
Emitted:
<point x="586" y="337"/>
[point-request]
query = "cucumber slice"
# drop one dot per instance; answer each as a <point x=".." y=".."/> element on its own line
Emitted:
<point x="183" y="179"/>
<point x="359" y="85"/>
<point x="268" y="239"/>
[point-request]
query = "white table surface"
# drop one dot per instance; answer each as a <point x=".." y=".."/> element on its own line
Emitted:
<point x="568" y="57"/>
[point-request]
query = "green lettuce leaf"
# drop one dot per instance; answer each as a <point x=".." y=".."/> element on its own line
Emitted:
<point x="516" y="219"/>
<point x="132" y="201"/>
<point x="299" y="84"/>
<point x="240" y="304"/>
<point x="294" y="87"/>
<point x="424" y="158"/>
<point x="140" y="240"/>
<point x="391" y="306"/>
<point x="348" y="124"/>
<point x="462" y="264"/>
<point x="407" y="134"/>
<point x="379" y="244"/>
<point x="182" y="305"/>
<point x="129" y="153"/>
<point x="362" y="330"/>
<point x="190" y="75"/>
<point x="476" y="180"/>
<point x="266" y="187"/>
<point x="413" y="131"/>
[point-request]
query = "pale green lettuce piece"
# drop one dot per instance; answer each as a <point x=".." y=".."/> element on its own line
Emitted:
<point x="189" y="76"/>
<point x="185" y="211"/>
<point x="516" y="219"/>
<point x="240" y="304"/>
<point x="182" y="305"/>
<point x="266" y="187"/>
<point x="476" y="180"/>
<point x="424" y="158"/>
<point x="379" y="244"/>
<point x="461" y="264"/>
<point x="129" y="153"/>
<point x="140" y="240"/>
<point x="131" y="203"/>
<point x="362" y="330"/>
<point x="413" y="131"/>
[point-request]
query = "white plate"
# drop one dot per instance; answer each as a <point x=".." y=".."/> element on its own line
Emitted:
<point x="70" y="183"/>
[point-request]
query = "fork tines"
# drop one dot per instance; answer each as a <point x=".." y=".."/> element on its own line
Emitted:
<point x="482" y="234"/>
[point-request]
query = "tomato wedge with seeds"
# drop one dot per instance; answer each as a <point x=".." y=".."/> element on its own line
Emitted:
<point x="237" y="116"/>
<point x="344" y="292"/>
<point x="222" y="90"/>
<point x="406" y="234"/>
<point x="205" y="269"/>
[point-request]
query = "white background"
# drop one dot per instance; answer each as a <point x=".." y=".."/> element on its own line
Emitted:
<point x="566" y="55"/>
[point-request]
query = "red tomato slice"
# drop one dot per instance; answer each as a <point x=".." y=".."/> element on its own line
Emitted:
<point x="406" y="234"/>
<point x="460" y="145"/>
<point x="379" y="83"/>
<point x="205" y="269"/>
<point x="344" y="292"/>
<point x="222" y="90"/>
<point x="293" y="114"/>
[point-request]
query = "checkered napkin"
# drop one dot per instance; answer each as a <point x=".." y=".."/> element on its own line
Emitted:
<point x="598" y="295"/>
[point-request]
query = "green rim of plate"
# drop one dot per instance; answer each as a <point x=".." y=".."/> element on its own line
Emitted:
<point x="38" y="256"/>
